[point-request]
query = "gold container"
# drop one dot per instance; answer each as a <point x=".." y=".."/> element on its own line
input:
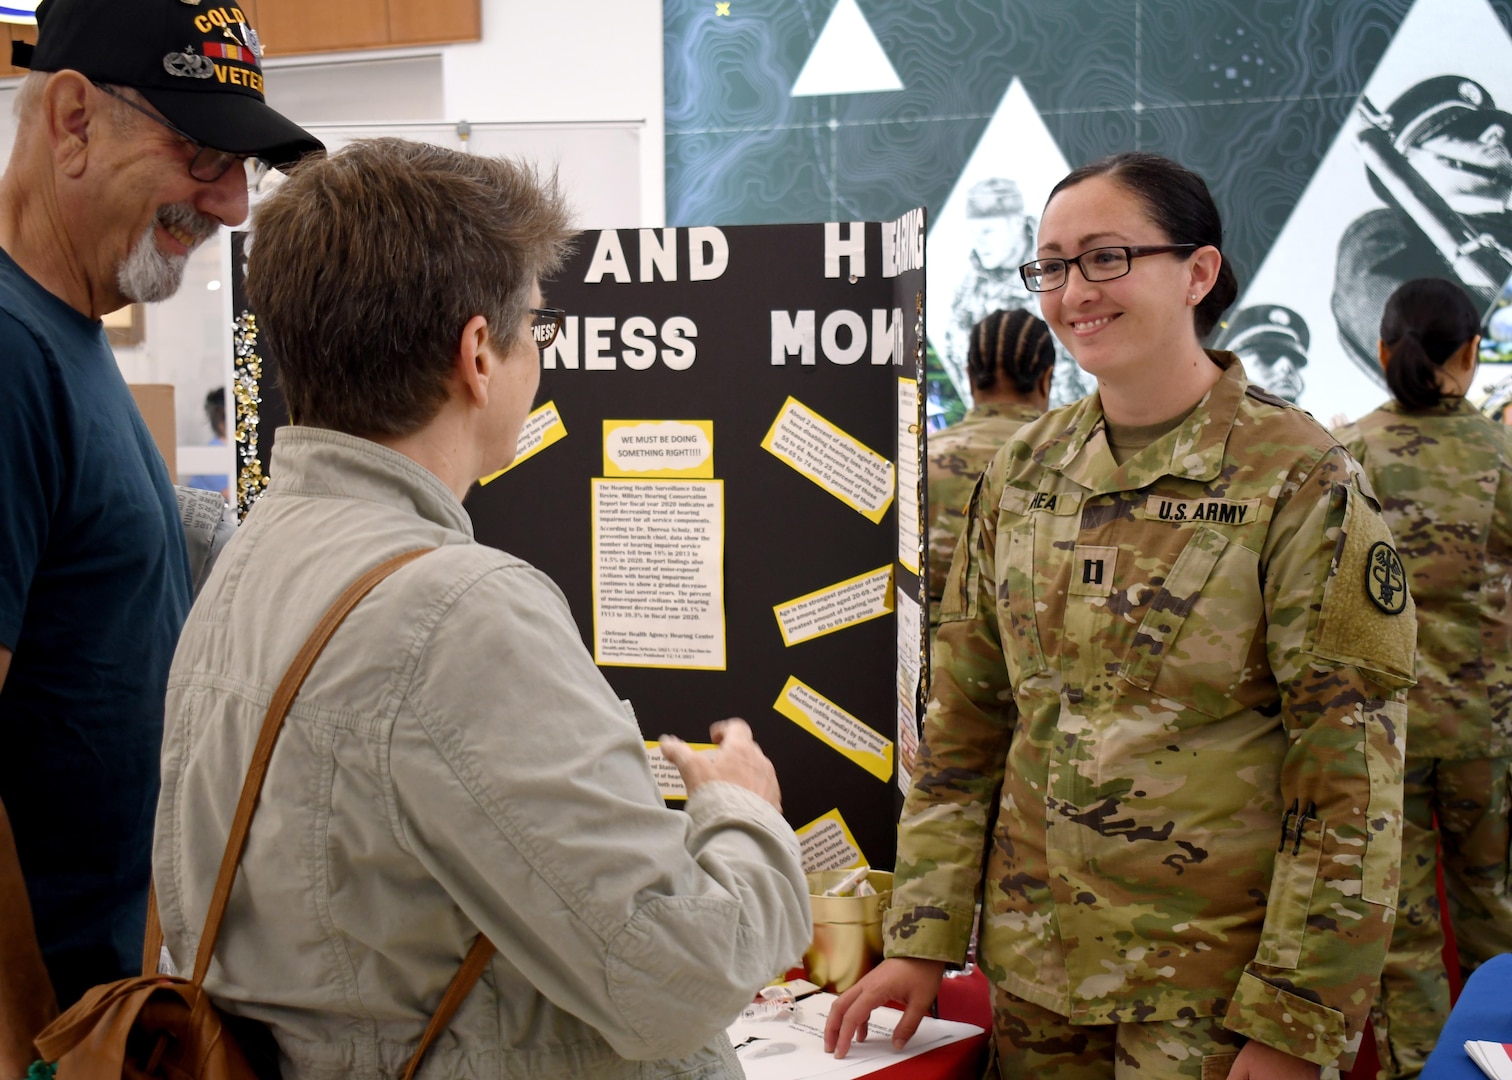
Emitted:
<point x="847" y="930"/>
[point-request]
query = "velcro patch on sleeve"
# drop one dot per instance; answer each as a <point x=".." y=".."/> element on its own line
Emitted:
<point x="1368" y="619"/>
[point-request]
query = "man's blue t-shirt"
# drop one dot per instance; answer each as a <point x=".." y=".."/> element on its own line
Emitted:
<point x="94" y="588"/>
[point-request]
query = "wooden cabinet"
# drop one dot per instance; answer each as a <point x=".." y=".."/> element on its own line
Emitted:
<point x="425" y="22"/>
<point x="289" y="27"/>
<point x="13" y="32"/>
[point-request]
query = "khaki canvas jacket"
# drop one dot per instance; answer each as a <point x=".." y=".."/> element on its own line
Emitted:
<point x="455" y="763"/>
<point x="1169" y="685"/>
<point x="1444" y="478"/>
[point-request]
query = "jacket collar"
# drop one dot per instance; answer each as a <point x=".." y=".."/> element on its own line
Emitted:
<point x="1011" y="410"/>
<point x="1193" y="451"/>
<point x="319" y="462"/>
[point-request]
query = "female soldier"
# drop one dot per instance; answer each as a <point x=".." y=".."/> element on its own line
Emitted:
<point x="1444" y="474"/>
<point x="1010" y="361"/>
<point x="1164" y="738"/>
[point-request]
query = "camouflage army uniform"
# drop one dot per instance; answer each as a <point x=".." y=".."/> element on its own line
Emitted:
<point x="1150" y="677"/>
<point x="957" y="456"/>
<point x="1444" y="476"/>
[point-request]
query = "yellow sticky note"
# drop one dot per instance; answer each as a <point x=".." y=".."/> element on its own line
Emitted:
<point x="659" y="449"/>
<point x="668" y="780"/>
<point x="542" y="428"/>
<point x="845" y="467"/>
<point x="835" y="727"/>
<point x="826" y="843"/>
<point x="834" y="607"/>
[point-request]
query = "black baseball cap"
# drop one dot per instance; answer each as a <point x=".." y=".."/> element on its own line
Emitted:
<point x="198" y="62"/>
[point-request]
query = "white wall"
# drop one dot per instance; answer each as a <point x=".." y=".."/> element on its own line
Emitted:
<point x="574" y="60"/>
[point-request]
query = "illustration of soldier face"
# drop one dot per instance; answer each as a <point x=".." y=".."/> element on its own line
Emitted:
<point x="1002" y="241"/>
<point x="1278" y="374"/>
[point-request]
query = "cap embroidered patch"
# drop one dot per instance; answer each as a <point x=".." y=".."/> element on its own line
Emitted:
<point x="1386" y="578"/>
<point x="189" y="64"/>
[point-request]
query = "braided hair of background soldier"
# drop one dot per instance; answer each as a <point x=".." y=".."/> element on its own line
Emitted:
<point x="1015" y="346"/>
<point x="1426" y="321"/>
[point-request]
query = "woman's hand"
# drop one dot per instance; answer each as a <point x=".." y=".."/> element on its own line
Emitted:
<point x="1260" y="1062"/>
<point x="912" y="982"/>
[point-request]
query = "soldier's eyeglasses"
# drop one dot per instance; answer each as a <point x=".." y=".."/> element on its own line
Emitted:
<point x="548" y="321"/>
<point x="208" y="164"/>
<point x="1097" y="264"/>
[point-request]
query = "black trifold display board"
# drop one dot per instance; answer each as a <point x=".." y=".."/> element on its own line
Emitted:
<point x="731" y="420"/>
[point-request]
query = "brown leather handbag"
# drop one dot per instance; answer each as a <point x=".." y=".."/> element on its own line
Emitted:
<point x="165" y="1026"/>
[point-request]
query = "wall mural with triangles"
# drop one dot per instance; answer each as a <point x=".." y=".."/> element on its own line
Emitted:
<point x="1350" y="146"/>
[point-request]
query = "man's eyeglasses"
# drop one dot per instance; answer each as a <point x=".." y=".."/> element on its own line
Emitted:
<point x="1097" y="264"/>
<point x="546" y="324"/>
<point x="208" y="164"/>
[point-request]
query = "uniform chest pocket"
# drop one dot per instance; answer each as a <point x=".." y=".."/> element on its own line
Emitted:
<point x="1201" y="641"/>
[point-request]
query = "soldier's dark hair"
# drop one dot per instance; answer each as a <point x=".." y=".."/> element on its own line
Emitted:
<point x="1426" y="322"/>
<point x="1178" y="201"/>
<point x="1012" y="345"/>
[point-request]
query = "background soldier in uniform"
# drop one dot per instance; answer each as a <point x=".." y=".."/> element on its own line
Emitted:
<point x="1444" y="474"/>
<point x="1010" y="361"/>
<point x="1165" y="735"/>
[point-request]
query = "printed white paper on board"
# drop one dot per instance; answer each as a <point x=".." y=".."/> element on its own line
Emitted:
<point x="910" y="616"/>
<point x="908" y="474"/>
<point x="658" y="573"/>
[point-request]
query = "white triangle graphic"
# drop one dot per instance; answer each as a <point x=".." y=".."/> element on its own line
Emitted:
<point x="847" y="58"/>
<point x="1015" y="149"/>
<point x="1302" y="267"/>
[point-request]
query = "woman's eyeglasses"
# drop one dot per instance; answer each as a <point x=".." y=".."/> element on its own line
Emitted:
<point x="548" y="321"/>
<point x="1097" y="264"/>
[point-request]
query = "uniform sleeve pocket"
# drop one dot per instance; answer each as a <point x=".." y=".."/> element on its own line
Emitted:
<point x="1290" y="898"/>
<point x="1380" y="874"/>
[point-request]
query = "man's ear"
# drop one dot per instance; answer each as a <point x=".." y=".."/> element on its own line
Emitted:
<point x="72" y="116"/>
<point x="1383" y="354"/>
<point x="476" y="363"/>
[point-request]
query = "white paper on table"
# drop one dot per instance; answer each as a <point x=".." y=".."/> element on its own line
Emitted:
<point x="794" y="1050"/>
<point x="1494" y="1059"/>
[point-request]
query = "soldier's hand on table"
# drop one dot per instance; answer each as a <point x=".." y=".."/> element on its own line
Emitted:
<point x="912" y="982"/>
<point x="737" y="760"/>
<point x="1260" y="1062"/>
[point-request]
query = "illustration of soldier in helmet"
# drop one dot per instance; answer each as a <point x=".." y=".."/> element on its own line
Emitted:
<point x="1438" y="158"/>
<point x="1002" y="241"/>
<point x="1272" y="342"/>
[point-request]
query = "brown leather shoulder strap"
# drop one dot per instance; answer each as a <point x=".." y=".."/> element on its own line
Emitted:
<point x="283" y="697"/>
<point x="152" y="940"/>
<point x="461" y="985"/>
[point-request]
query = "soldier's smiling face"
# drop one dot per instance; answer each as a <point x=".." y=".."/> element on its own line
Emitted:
<point x="1116" y="327"/>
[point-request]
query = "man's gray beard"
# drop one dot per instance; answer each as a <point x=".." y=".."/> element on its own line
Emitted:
<point x="148" y="275"/>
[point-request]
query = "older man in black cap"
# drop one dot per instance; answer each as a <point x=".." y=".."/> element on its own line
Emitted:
<point x="135" y="128"/>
